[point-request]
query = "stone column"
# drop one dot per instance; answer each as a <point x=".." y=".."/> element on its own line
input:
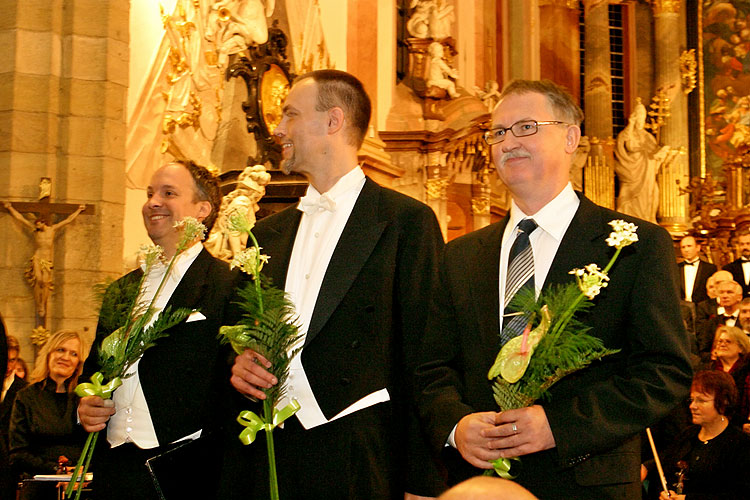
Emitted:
<point x="559" y="43"/>
<point x="598" y="175"/>
<point x="669" y="36"/>
<point x="63" y="85"/>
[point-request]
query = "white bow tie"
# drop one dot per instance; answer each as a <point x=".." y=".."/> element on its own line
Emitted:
<point x="310" y="205"/>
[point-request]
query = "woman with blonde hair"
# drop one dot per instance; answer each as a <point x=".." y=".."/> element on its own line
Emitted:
<point x="731" y="349"/>
<point x="43" y="423"/>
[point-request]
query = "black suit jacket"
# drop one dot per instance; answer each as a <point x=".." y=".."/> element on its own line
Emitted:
<point x="705" y="270"/>
<point x="182" y="374"/>
<point x="369" y="317"/>
<point x="595" y="414"/>
<point x="736" y="269"/>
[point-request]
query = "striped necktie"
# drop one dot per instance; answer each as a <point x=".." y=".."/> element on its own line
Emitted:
<point x="520" y="276"/>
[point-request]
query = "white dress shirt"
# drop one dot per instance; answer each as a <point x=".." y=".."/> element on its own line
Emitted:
<point x="132" y="422"/>
<point x="746" y="271"/>
<point x="690" y="271"/>
<point x="319" y="231"/>
<point x="552" y="221"/>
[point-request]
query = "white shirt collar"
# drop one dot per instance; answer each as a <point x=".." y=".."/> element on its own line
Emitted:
<point x="351" y="180"/>
<point x="562" y="206"/>
<point x="181" y="264"/>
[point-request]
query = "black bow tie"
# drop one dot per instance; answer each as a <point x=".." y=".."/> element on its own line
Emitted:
<point x="745" y="259"/>
<point x="691" y="263"/>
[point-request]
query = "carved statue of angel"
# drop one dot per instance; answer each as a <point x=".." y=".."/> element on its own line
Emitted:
<point x="490" y="95"/>
<point x="235" y="25"/>
<point x="441" y="75"/>
<point x="224" y="243"/>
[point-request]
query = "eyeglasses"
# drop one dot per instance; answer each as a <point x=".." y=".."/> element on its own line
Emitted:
<point x="724" y="341"/>
<point x="520" y="129"/>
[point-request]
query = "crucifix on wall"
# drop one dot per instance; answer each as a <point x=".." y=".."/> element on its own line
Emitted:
<point x="39" y="272"/>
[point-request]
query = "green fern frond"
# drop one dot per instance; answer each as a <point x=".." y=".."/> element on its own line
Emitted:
<point x="566" y="348"/>
<point x="268" y="326"/>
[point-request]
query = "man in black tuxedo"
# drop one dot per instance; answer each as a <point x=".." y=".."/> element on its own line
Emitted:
<point x="706" y="309"/>
<point x="694" y="272"/>
<point x="174" y="392"/>
<point x="740" y="268"/>
<point x="728" y="313"/>
<point x="359" y="263"/>
<point x="583" y="441"/>
<point x="745" y="315"/>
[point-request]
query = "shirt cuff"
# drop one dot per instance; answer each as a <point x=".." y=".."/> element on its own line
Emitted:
<point x="452" y="438"/>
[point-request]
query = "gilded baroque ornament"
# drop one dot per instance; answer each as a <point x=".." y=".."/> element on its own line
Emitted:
<point x="480" y="205"/>
<point x="570" y="4"/>
<point x="688" y="70"/>
<point x="267" y="76"/>
<point x="201" y="35"/>
<point x="658" y="111"/>
<point x="666" y="6"/>
<point x="437" y="188"/>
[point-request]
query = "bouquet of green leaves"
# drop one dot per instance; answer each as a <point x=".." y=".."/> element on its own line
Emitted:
<point x="558" y="344"/>
<point x="127" y="318"/>
<point x="269" y="328"/>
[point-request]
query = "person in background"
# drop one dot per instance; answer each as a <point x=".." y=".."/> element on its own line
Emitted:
<point x="43" y="422"/>
<point x="694" y="271"/>
<point x="745" y="316"/>
<point x="710" y="307"/>
<point x="487" y="488"/>
<point x="730" y="295"/>
<point x="740" y="268"/>
<point x="732" y="352"/>
<point x="710" y="459"/>
<point x="22" y="369"/>
<point x="11" y="386"/>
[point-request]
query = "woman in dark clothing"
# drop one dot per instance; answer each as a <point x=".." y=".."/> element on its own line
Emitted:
<point x="43" y="423"/>
<point x="710" y="459"/>
<point x="732" y="351"/>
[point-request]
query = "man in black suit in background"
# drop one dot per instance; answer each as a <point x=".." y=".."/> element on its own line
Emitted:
<point x="740" y="268"/>
<point x="583" y="442"/>
<point x="175" y="390"/>
<point x="694" y="271"/>
<point x="359" y="262"/>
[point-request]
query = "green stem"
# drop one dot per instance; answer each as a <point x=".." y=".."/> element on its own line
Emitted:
<point x="568" y="314"/>
<point x="256" y="278"/>
<point x="272" y="479"/>
<point x="612" y="261"/>
<point x="86" y="466"/>
<point x="135" y="299"/>
<point x="163" y="280"/>
<point x="79" y="465"/>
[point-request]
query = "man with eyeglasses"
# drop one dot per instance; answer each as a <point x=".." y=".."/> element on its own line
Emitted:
<point x="583" y="441"/>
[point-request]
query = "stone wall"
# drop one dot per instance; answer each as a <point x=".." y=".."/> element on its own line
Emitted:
<point x="63" y="82"/>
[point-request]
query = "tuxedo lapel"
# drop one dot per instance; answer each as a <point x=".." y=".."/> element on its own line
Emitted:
<point x="278" y="242"/>
<point x="193" y="283"/>
<point x="358" y="239"/>
<point x="587" y="225"/>
<point x="484" y="285"/>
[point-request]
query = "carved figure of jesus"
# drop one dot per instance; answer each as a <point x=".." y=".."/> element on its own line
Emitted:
<point x="39" y="273"/>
